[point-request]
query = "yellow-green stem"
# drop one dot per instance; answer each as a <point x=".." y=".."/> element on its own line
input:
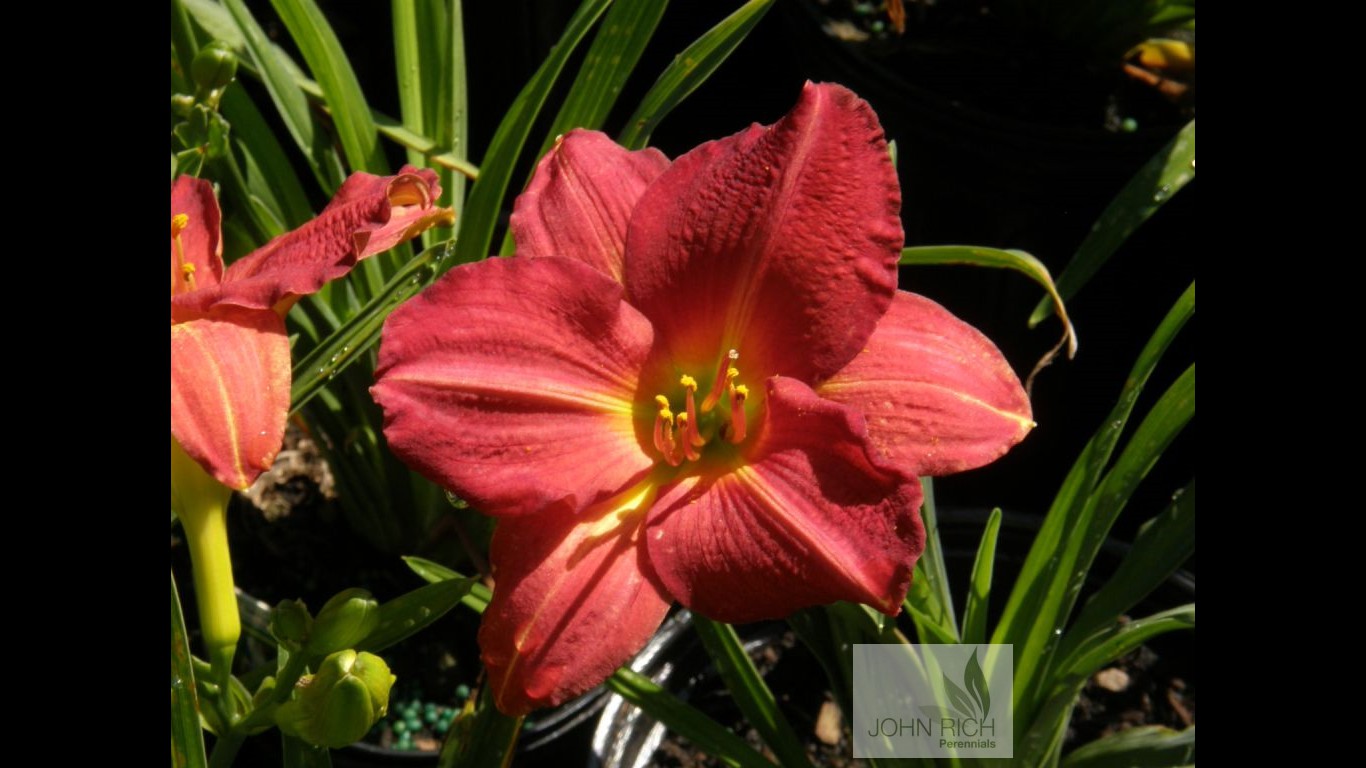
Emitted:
<point x="201" y="503"/>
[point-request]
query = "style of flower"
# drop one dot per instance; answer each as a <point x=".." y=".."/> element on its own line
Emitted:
<point x="230" y="371"/>
<point x="695" y="381"/>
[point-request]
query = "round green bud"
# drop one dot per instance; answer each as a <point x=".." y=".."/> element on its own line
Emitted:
<point x="214" y="66"/>
<point x="343" y="622"/>
<point x="182" y="103"/>
<point x="290" y="623"/>
<point x="338" y="705"/>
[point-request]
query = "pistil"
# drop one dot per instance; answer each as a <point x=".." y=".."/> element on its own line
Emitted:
<point x="725" y="373"/>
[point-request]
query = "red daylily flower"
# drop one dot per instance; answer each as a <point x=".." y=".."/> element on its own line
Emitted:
<point x="696" y="381"/>
<point x="230" y="372"/>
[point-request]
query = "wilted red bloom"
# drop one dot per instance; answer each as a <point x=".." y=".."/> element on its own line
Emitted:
<point x="592" y="392"/>
<point x="230" y="372"/>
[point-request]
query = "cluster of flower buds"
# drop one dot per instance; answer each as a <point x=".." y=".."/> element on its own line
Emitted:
<point x="350" y="691"/>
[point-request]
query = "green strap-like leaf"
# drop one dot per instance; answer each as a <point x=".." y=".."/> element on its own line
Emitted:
<point x="406" y="614"/>
<point x="269" y="174"/>
<point x="706" y="734"/>
<point x="1044" y="735"/>
<point x="326" y="59"/>
<point x="289" y="99"/>
<point x="183" y="41"/>
<point x="480" y="216"/>
<point x="413" y="87"/>
<point x="750" y="691"/>
<point x="1018" y="261"/>
<point x="928" y="628"/>
<point x="1080" y="517"/>
<point x="1147" y="746"/>
<point x="1123" y="638"/>
<point x="1166" y="419"/>
<point x="1172" y="168"/>
<point x="930" y="598"/>
<point x="1081" y="480"/>
<point x="187" y="740"/>
<point x="357" y="335"/>
<point x="617" y="46"/>
<point x="689" y="70"/>
<point x="979" y="590"/>
<point x="453" y="113"/>
<point x="479" y="595"/>
<point x="219" y="24"/>
<point x="1163" y="544"/>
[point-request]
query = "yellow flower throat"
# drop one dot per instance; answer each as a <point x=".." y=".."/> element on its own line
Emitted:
<point x="679" y="438"/>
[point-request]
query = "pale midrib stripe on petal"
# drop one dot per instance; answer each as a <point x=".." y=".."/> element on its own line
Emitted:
<point x="835" y="386"/>
<point x="549" y="396"/>
<point x="197" y="338"/>
<point x="761" y="489"/>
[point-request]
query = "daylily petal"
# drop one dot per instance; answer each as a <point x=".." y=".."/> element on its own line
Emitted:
<point x="781" y="242"/>
<point x="197" y="244"/>
<point x="511" y="381"/>
<point x="580" y="200"/>
<point x="573" y="601"/>
<point x="369" y="214"/>
<point x="230" y="391"/>
<point x="811" y="517"/>
<point x="937" y="394"/>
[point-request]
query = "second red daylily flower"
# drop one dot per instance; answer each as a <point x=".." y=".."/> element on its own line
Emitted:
<point x="696" y="381"/>
<point x="230" y="371"/>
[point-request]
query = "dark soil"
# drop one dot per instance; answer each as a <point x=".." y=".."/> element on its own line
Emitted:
<point x="1144" y="688"/>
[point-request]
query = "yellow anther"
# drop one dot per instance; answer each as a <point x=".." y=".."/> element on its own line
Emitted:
<point x="662" y="402"/>
<point x="187" y="270"/>
<point x="667" y="416"/>
<point x="178" y="223"/>
<point x="742" y="391"/>
<point x="688" y="383"/>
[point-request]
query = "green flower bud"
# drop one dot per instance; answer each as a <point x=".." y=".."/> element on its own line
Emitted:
<point x="343" y="622"/>
<point x="290" y="623"/>
<point x="338" y="705"/>
<point x="182" y="103"/>
<point x="214" y="66"/>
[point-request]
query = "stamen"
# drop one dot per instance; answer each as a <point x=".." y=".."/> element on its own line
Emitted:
<point x="178" y="224"/>
<point x="664" y="426"/>
<point x="737" y="414"/>
<point x="722" y="379"/>
<point x="689" y="384"/>
<point x="688" y="450"/>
